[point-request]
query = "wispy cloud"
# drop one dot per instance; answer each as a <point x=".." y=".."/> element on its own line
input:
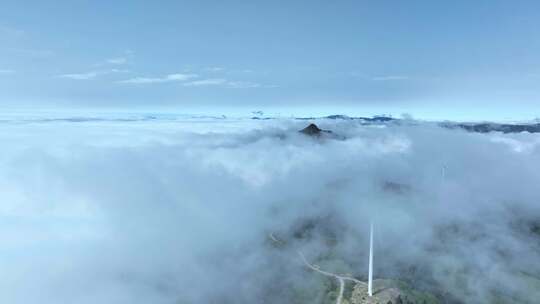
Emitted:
<point x="178" y="77"/>
<point x="90" y="75"/>
<point x="214" y="69"/>
<point x="5" y="71"/>
<point x="247" y="85"/>
<point x="226" y="83"/>
<point x="389" y="78"/>
<point x="79" y="76"/>
<point x="206" y="82"/>
<point x="196" y="80"/>
<point x="118" y="60"/>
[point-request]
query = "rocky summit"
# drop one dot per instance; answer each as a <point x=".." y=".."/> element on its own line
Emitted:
<point x="313" y="130"/>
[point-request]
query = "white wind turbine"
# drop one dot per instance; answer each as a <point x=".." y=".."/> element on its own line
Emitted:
<point x="370" y="275"/>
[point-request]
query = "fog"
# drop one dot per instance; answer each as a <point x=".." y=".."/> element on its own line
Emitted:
<point x="180" y="210"/>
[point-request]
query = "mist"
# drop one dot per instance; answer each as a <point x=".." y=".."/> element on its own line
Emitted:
<point x="181" y="210"/>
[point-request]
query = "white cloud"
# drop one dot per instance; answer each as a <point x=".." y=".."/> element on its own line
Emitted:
<point x="389" y="78"/>
<point x="226" y="83"/>
<point x="119" y="60"/>
<point x="243" y="85"/>
<point x="131" y="217"/>
<point x="206" y="82"/>
<point x="117" y="71"/>
<point x="214" y="69"/>
<point x="80" y="76"/>
<point x="90" y="75"/>
<point x="178" y="77"/>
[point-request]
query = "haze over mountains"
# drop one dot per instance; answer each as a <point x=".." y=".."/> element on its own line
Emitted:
<point x="532" y="126"/>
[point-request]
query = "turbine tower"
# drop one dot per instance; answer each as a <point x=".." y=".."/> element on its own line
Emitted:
<point x="370" y="275"/>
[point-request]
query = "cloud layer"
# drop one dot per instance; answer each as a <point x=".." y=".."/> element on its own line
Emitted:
<point x="162" y="211"/>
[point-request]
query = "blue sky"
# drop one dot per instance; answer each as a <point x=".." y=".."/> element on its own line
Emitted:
<point x="433" y="59"/>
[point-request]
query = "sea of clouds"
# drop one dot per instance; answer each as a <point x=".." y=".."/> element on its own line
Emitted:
<point x="180" y="210"/>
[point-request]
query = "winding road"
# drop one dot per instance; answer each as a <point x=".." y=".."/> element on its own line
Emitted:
<point x="341" y="279"/>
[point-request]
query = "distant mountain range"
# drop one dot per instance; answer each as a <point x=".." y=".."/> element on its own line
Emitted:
<point x="495" y="127"/>
<point x="482" y="127"/>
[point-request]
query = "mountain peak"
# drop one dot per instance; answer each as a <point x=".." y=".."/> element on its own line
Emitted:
<point x="313" y="130"/>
